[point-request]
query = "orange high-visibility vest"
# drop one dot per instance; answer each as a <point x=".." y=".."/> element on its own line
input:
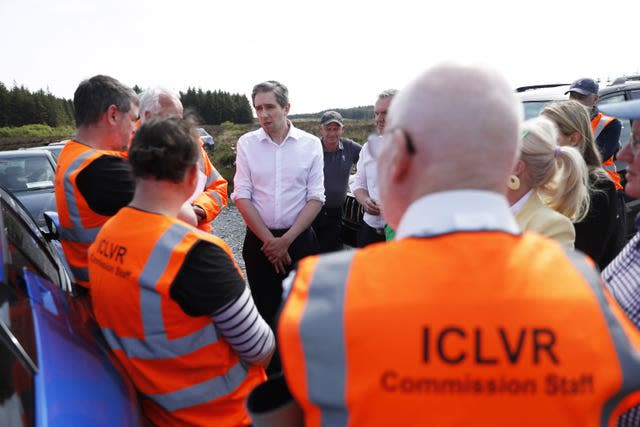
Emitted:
<point x="78" y="223"/>
<point x="214" y="197"/>
<point x="186" y="373"/>
<point x="470" y="328"/>
<point x="598" y="123"/>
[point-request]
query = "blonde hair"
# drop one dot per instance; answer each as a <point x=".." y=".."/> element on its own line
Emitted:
<point x="559" y="174"/>
<point x="571" y="116"/>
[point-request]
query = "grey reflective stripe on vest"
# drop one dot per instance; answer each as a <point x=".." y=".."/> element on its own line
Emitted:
<point x="598" y="130"/>
<point x="213" y="176"/>
<point x="629" y="360"/>
<point x="204" y="392"/>
<point x="322" y="338"/>
<point x="216" y="197"/>
<point x="611" y="168"/>
<point x="156" y="344"/>
<point x="77" y="233"/>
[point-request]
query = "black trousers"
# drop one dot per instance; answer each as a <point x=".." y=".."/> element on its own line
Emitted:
<point x="265" y="283"/>
<point x="328" y="226"/>
<point x="368" y="235"/>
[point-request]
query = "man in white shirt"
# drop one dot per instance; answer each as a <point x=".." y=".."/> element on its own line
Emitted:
<point x="365" y="186"/>
<point x="279" y="190"/>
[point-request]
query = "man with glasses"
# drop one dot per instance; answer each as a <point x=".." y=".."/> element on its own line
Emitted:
<point x="93" y="177"/>
<point x="462" y="318"/>
<point x="606" y="130"/>
<point x="623" y="273"/>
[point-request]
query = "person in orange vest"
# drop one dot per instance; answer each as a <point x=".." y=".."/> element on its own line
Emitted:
<point x="461" y="319"/>
<point x="93" y="178"/>
<point x="210" y="195"/>
<point x="170" y="299"/>
<point x="605" y="129"/>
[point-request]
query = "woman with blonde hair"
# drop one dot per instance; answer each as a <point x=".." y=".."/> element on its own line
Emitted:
<point x="548" y="190"/>
<point x="600" y="235"/>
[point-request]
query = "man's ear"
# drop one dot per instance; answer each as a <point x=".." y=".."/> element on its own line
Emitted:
<point x="112" y="114"/>
<point x="400" y="161"/>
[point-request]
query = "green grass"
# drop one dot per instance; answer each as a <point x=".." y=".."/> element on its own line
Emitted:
<point x="38" y="131"/>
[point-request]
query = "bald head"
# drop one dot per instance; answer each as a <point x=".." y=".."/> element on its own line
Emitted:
<point x="463" y="122"/>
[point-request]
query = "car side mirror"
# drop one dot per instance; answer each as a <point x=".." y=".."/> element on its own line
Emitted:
<point x="52" y="223"/>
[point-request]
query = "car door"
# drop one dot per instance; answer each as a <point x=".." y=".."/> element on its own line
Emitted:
<point x="76" y="380"/>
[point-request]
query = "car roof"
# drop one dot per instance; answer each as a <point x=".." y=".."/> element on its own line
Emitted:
<point x="621" y="84"/>
<point x="10" y="154"/>
<point x="550" y="92"/>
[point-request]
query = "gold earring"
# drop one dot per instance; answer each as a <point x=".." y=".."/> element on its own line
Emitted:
<point x="514" y="182"/>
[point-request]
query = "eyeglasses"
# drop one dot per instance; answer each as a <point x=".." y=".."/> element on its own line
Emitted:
<point x="411" y="147"/>
<point x="634" y="143"/>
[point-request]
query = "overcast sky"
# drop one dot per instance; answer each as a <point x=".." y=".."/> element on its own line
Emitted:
<point x="330" y="53"/>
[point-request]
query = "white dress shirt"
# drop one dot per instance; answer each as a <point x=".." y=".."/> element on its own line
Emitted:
<point x="459" y="210"/>
<point x="366" y="176"/>
<point x="279" y="179"/>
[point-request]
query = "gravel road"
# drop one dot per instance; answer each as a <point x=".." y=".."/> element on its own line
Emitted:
<point x="230" y="227"/>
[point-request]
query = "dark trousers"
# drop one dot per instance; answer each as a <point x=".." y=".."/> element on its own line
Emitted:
<point x="328" y="226"/>
<point x="265" y="283"/>
<point x="368" y="235"/>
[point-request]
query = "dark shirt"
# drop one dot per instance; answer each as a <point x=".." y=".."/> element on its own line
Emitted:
<point x="337" y="168"/>
<point x="107" y="184"/>
<point x="601" y="234"/>
<point x="207" y="281"/>
<point x="608" y="141"/>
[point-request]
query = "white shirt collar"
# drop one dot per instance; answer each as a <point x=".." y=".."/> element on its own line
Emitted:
<point x="293" y="133"/>
<point x="459" y="210"/>
<point x="515" y="208"/>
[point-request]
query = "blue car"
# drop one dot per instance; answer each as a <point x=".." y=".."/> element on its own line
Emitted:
<point x="55" y="368"/>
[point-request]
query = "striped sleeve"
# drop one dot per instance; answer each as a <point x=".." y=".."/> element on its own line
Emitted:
<point x="244" y="329"/>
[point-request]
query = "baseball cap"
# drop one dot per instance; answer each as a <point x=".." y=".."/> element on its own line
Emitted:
<point x="331" y="117"/>
<point x="584" y="87"/>
<point x="623" y="110"/>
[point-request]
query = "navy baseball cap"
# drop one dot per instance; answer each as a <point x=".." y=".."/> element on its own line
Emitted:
<point x="331" y="117"/>
<point x="623" y="110"/>
<point x="584" y="87"/>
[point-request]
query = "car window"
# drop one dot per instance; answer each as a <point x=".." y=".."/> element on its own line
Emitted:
<point x="626" y="123"/>
<point x="635" y="94"/>
<point x="26" y="250"/>
<point x="25" y="173"/>
<point x="533" y="108"/>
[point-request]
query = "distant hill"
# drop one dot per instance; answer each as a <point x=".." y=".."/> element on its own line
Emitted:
<point x="355" y="113"/>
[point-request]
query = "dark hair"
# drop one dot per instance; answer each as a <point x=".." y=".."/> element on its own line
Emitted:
<point x="164" y="149"/>
<point x="93" y="97"/>
<point x="279" y="90"/>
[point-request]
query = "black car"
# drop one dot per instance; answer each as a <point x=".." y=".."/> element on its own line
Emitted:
<point x="29" y="175"/>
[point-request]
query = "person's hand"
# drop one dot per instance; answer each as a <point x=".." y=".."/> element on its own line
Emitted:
<point x="200" y="213"/>
<point x="276" y="250"/>
<point x="280" y="264"/>
<point x="371" y="206"/>
<point x="187" y="214"/>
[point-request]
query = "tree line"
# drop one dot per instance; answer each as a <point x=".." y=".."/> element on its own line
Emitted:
<point x="355" y="113"/>
<point x="19" y="107"/>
